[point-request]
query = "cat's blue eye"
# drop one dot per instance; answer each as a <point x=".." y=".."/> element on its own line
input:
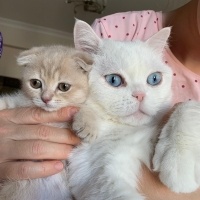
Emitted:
<point x="64" y="87"/>
<point x="114" y="80"/>
<point x="154" y="78"/>
<point x="35" y="83"/>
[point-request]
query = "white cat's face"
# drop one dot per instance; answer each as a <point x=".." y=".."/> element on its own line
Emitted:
<point x="134" y="86"/>
<point x="129" y="80"/>
<point x="52" y="78"/>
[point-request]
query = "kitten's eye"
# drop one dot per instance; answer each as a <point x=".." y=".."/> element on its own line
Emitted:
<point x="35" y="83"/>
<point x="114" y="80"/>
<point x="154" y="78"/>
<point x="64" y="87"/>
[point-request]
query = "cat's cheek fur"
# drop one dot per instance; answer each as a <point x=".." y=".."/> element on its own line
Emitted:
<point x="177" y="152"/>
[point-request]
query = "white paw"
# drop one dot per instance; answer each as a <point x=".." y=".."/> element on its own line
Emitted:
<point x="176" y="170"/>
<point x="177" y="154"/>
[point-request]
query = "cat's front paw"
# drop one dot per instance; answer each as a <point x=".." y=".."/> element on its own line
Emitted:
<point x="81" y="127"/>
<point x="177" y="153"/>
<point x="176" y="169"/>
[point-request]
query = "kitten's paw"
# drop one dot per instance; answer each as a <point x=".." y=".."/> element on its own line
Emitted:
<point x="81" y="128"/>
<point x="177" y="152"/>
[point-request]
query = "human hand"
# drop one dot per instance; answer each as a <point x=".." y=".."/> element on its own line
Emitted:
<point x="23" y="137"/>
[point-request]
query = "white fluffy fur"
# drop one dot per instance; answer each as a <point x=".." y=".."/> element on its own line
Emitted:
<point x="119" y="131"/>
<point x="177" y="154"/>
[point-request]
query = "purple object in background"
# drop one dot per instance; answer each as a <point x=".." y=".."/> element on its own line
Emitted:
<point x="1" y="44"/>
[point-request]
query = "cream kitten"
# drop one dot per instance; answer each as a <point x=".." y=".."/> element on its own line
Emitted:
<point x="53" y="77"/>
<point x="130" y="90"/>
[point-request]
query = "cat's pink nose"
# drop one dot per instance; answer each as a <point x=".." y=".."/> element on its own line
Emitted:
<point x="139" y="96"/>
<point x="46" y="99"/>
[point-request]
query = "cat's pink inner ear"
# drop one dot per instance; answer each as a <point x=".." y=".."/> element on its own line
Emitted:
<point x="159" y="40"/>
<point x="86" y="57"/>
<point x="83" y="64"/>
<point x="85" y="38"/>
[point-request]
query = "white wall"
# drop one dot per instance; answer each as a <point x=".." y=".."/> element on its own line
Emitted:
<point x="18" y="36"/>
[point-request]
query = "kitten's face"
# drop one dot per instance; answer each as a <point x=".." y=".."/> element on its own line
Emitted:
<point x="53" y="80"/>
<point x="129" y="80"/>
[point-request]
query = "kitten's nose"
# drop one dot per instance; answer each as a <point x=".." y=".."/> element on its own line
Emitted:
<point x="45" y="99"/>
<point x="139" y="96"/>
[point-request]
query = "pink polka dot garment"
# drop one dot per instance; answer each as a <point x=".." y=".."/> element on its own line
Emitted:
<point x="142" y="25"/>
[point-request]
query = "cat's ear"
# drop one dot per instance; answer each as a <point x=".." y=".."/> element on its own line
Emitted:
<point x="159" y="40"/>
<point x="84" y="61"/>
<point x="26" y="57"/>
<point x="85" y="38"/>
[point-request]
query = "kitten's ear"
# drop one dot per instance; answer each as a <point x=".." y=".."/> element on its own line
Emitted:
<point x="26" y="57"/>
<point x="84" y="60"/>
<point x="85" y="38"/>
<point x="159" y="40"/>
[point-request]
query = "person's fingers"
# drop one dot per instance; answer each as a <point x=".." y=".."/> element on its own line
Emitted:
<point x="36" y="115"/>
<point x="29" y="169"/>
<point x="34" y="150"/>
<point x="24" y="138"/>
<point x="41" y="132"/>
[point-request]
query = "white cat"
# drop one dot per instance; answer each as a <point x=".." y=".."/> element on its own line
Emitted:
<point x="121" y="118"/>
<point x="53" y="77"/>
<point x="130" y="90"/>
